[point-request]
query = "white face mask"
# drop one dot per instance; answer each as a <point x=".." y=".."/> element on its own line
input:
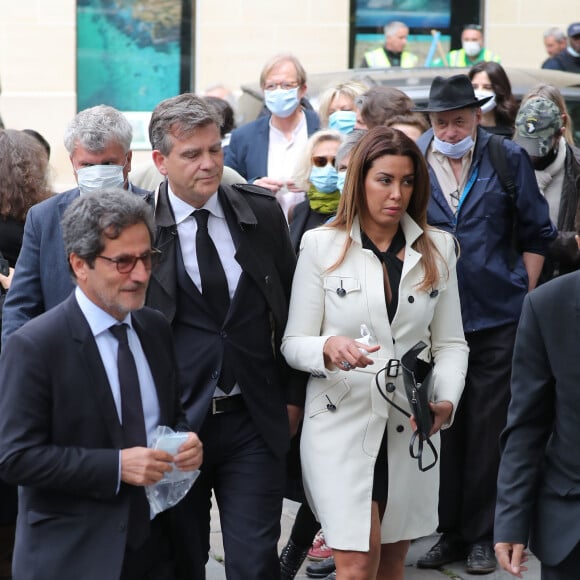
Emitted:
<point x="95" y="177"/>
<point x="471" y="47"/>
<point x="491" y="104"/>
<point x="454" y="150"/>
<point x="573" y="52"/>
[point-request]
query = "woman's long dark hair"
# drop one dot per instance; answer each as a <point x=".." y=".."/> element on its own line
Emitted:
<point x="506" y="104"/>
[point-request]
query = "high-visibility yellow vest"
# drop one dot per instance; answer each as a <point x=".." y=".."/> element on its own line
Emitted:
<point x="377" y="58"/>
<point x="458" y="58"/>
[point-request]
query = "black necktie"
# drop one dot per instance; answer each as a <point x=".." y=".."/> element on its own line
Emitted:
<point x="214" y="285"/>
<point x="134" y="433"/>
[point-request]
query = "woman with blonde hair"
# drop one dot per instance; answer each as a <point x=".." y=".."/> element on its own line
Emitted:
<point x="377" y="263"/>
<point x="317" y="175"/>
<point x="337" y="109"/>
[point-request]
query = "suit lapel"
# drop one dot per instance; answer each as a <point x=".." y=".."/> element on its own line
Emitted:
<point x="148" y="344"/>
<point x="95" y="376"/>
<point x="241" y="222"/>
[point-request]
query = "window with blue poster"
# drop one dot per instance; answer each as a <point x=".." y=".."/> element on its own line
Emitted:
<point x="434" y="25"/>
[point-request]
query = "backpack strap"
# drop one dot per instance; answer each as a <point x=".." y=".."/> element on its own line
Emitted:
<point x="497" y="157"/>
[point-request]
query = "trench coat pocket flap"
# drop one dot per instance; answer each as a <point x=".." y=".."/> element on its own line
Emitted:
<point x="339" y="284"/>
<point x="560" y="484"/>
<point x="329" y="399"/>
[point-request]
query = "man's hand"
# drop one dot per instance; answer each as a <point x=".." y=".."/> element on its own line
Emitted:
<point x="190" y="454"/>
<point x="511" y="557"/>
<point x="143" y="466"/>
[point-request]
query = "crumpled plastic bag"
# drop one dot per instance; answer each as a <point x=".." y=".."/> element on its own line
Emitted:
<point x="175" y="484"/>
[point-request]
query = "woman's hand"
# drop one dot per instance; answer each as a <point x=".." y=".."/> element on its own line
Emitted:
<point x="441" y="412"/>
<point x="345" y="353"/>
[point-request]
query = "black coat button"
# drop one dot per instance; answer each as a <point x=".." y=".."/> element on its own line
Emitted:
<point x="400" y="428"/>
<point x="411" y="299"/>
<point x="390" y="387"/>
<point x="223" y="334"/>
<point x="215" y="375"/>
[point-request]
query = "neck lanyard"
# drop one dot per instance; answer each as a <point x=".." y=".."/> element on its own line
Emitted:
<point x="466" y="190"/>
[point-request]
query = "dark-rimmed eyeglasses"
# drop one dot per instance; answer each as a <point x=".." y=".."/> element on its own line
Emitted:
<point x="285" y="86"/>
<point x="323" y="160"/>
<point x="126" y="264"/>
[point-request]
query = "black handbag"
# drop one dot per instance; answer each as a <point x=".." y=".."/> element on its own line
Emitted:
<point x="418" y="383"/>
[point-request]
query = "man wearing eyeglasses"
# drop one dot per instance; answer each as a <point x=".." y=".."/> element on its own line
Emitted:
<point x="267" y="150"/>
<point x="99" y="144"/>
<point x="223" y="281"/>
<point x="84" y="387"/>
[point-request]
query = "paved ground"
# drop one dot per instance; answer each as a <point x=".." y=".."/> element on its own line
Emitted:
<point x="215" y="569"/>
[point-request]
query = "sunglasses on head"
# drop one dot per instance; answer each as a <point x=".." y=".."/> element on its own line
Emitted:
<point x="322" y="160"/>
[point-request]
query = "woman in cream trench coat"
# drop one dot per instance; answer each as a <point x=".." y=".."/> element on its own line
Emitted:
<point x="345" y="416"/>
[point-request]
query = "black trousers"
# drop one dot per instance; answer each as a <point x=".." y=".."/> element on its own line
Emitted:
<point x="470" y="448"/>
<point x="155" y="559"/>
<point x="248" y="483"/>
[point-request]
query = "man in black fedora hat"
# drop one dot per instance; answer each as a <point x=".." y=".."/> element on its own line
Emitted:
<point x="503" y="234"/>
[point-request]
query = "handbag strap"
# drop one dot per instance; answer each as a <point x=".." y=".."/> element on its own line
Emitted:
<point x="416" y="437"/>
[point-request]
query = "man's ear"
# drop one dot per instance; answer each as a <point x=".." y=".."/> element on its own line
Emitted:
<point x="78" y="266"/>
<point x="159" y="160"/>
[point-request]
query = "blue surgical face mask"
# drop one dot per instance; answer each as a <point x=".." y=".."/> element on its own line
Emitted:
<point x="324" y="178"/>
<point x="342" y="121"/>
<point x="340" y="181"/>
<point x="282" y="103"/>
<point x="454" y="150"/>
<point x="95" y="177"/>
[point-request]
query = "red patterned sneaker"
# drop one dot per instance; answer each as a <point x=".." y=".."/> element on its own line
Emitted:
<point x="319" y="550"/>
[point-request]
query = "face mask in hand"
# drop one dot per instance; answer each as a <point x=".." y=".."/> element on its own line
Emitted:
<point x="454" y="150"/>
<point x="96" y="177"/>
<point x="490" y="105"/>
<point x="324" y="178"/>
<point x="282" y="103"/>
<point x="471" y="47"/>
<point x="342" y="121"/>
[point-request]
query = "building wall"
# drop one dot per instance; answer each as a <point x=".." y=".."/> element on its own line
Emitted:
<point x="233" y="40"/>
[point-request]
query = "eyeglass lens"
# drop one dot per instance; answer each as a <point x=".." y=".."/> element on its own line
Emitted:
<point x="322" y="160"/>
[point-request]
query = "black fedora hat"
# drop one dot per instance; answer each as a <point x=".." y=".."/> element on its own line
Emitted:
<point x="448" y="94"/>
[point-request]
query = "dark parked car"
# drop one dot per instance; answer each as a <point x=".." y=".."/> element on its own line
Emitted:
<point x="416" y="83"/>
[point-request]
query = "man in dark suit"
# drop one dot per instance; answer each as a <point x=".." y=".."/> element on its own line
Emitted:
<point x="99" y="144"/>
<point x="266" y="150"/>
<point x="538" y="493"/>
<point x="75" y="438"/>
<point x="237" y="390"/>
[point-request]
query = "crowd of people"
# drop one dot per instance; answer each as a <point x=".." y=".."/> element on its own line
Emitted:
<point x="276" y="292"/>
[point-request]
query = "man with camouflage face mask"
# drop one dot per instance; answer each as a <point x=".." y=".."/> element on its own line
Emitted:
<point x="540" y="131"/>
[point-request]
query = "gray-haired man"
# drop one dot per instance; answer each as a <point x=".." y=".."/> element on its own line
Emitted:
<point x="100" y="378"/>
<point x="99" y="144"/>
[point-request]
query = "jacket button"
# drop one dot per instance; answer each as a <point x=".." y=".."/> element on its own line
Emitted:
<point x="411" y="299"/>
<point x="400" y="428"/>
<point x="390" y="387"/>
<point x="215" y="375"/>
<point x="223" y="334"/>
<point x="122" y="527"/>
